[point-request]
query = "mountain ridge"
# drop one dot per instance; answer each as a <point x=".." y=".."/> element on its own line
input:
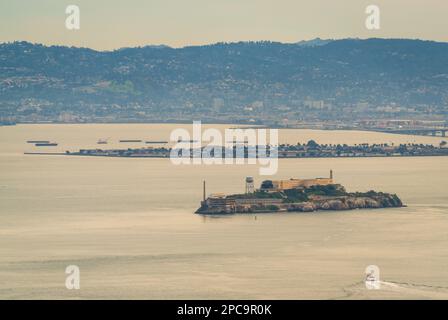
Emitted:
<point x="310" y="42"/>
<point x="43" y="82"/>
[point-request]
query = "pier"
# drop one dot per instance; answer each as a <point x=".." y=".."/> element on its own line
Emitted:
<point x="441" y="132"/>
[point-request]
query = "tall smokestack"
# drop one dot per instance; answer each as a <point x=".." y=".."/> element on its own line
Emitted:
<point x="203" y="191"/>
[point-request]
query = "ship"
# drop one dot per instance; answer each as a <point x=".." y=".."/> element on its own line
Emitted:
<point x="46" y="144"/>
<point x="187" y="141"/>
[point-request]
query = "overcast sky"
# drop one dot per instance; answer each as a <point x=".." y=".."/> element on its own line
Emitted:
<point x="111" y="24"/>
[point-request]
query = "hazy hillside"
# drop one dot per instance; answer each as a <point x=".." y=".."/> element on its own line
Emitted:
<point x="251" y="79"/>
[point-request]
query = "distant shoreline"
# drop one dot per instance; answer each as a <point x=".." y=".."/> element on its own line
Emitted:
<point x="407" y="132"/>
<point x="280" y="157"/>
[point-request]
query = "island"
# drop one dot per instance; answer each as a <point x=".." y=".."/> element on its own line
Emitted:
<point x="311" y="149"/>
<point x="296" y="195"/>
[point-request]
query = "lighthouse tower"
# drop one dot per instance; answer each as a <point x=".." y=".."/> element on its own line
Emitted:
<point x="249" y="185"/>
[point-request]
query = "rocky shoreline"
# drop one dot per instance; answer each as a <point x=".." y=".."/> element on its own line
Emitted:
<point x="380" y="200"/>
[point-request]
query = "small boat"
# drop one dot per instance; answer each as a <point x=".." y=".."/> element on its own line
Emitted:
<point x="102" y="141"/>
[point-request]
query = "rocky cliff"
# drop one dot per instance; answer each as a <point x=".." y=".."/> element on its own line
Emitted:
<point x="349" y="202"/>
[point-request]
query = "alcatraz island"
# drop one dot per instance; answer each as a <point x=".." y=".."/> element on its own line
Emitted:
<point x="295" y="195"/>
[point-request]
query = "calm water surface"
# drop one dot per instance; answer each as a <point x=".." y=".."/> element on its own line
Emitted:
<point x="129" y="223"/>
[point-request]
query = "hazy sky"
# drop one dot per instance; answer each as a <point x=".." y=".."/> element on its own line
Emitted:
<point x="110" y="24"/>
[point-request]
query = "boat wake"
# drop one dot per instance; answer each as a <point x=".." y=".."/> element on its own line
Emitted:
<point x="395" y="290"/>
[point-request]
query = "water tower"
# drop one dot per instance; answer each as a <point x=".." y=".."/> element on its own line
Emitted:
<point x="250" y="185"/>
